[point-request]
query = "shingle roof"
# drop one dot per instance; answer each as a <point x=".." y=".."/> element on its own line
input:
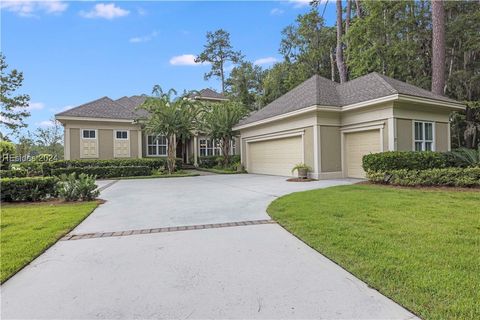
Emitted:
<point x="321" y="91"/>
<point x="206" y="94"/>
<point x="131" y="103"/>
<point x="100" y="108"/>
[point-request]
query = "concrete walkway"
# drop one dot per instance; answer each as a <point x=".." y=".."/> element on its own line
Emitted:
<point x="242" y="271"/>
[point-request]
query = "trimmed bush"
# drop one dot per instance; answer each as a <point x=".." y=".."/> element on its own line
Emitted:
<point x="105" y="172"/>
<point x="13" y="173"/>
<point x="454" y="177"/>
<point x="28" y="189"/>
<point x="157" y="163"/>
<point x="73" y="188"/>
<point x="410" y="160"/>
<point x="7" y="149"/>
<point x="33" y="168"/>
<point x="215" y="161"/>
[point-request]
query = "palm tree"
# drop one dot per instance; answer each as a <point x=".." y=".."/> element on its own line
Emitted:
<point x="218" y="120"/>
<point x="170" y="117"/>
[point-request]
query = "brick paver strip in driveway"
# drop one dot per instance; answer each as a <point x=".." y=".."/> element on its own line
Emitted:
<point x="245" y="271"/>
<point x="158" y="230"/>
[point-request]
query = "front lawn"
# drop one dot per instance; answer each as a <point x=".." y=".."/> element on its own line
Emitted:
<point x="419" y="247"/>
<point x="27" y="230"/>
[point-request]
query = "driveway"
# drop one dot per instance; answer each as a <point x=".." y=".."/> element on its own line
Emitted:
<point x="217" y="271"/>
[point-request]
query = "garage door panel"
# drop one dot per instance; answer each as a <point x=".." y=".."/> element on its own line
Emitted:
<point x="357" y="145"/>
<point x="276" y="157"/>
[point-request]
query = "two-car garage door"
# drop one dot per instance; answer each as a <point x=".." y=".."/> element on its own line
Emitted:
<point x="276" y="157"/>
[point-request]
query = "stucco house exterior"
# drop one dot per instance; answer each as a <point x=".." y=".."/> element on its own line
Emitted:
<point x="324" y="124"/>
<point x="330" y="126"/>
<point x="107" y="129"/>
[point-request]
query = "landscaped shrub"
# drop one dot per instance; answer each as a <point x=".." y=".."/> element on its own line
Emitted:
<point x="457" y="177"/>
<point x="73" y="187"/>
<point x="28" y="189"/>
<point x="411" y="160"/>
<point x="105" y="172"/>
<point x="13" y="173"/>
<point x="156" y="164"/>
<point x="7" y="149"/>
<point x="464" y="157"/>
<point x="33" y="168"/>
<point x="215" y="161"/>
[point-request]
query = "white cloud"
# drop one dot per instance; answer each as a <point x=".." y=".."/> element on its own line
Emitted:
<point x="299" y="3"/>
<point x="184" y="60"/>
<point x="276" y="12"/>
<point x="105" y="11"/>
<point x="35" y="106"/>
<point x="145" y="38"/>
<point x="28" y="8"/>
<point x="45" y="123"/>
<point x="266" y="60"/>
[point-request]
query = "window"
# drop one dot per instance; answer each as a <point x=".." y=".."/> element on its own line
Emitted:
<point x="88" y="134"/>
<point x="233" y="147"/>
<point x="156" y="146"/>
<point x="122" y="135"/>
<point x="423" y="132"/>
<point x="209" y="147"/>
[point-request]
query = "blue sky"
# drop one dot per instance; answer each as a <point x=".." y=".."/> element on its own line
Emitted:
<point x="74" y="52"/>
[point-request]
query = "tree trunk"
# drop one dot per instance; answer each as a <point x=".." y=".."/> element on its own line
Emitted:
<point x="226" y="151"/>
<point x="348" y="16"/>
<point x="171" y="154"/>
<point x="223" y="77"/>
<point x="438" y="47"/>
<point x="469" y="135"/>
<point x="359" y="8"/>
<point x="332" y="65"/>
<point x="340" y="63"/>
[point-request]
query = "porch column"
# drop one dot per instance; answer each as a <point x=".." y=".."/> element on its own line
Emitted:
<point x="195" y="150"/>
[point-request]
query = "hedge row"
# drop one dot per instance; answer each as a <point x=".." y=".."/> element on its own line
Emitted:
<point x="410" y="160"/>
<point x="106" y="172"/>
<point x="33" y="168"/>
<point x="156" y="163"/>
<point x="214" y="161"/>
<point x="13" y="173"/>
<point x="28" y="189"/>
<point x="453" y="177"/>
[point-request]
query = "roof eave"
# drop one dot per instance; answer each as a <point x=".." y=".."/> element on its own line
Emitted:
<point x="66" y="118"/>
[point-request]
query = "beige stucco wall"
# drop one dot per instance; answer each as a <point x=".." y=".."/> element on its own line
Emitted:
<point x="308" y="147"/>
<point x="441" y="136"/>
<point x="105" y="136"/>
<point x="330" y="153"/>
<point x="404" y="135"/>
<point x="74" y="143"/>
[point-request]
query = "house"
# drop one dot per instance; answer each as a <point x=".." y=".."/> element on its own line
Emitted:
<point x="330" y="126"/>
<point x="107" y="129"/>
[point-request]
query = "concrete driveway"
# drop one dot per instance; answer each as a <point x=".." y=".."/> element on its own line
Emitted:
<point x="214" y="271"/>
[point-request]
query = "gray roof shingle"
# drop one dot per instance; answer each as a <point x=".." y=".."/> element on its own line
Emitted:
<point x="321" y="91"/>
<point x="100" y="108"/>
<point x="206" y="94"/>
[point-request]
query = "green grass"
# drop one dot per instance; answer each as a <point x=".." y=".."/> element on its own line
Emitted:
<point x="419" y="247"/>
<point x="27" y="230"/>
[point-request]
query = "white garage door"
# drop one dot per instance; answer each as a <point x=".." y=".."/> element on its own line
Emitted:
<point x="357" y="145"/>
<point x="276" y="157"/>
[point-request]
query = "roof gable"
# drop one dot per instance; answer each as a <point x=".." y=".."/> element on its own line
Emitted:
<point x="324" y="92"/>
<point x="100" y="108"/>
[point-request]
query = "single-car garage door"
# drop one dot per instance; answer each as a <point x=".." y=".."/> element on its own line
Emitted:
<point x="358" y="144"/>
<point x="276" y="157"/>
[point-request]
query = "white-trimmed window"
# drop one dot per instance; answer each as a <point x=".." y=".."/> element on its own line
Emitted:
<point x="89" y="134"/>
<point x="424" y="135"/>
<point x="209" y="147"/>
<point x="121" y="135"/>
<point x="233" y="147"/>
<point x="157" y="145"/>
